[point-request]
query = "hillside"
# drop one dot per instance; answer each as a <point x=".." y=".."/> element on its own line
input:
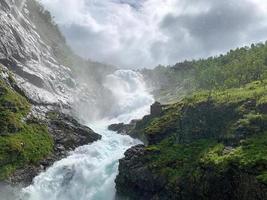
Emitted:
<point x="211" y="143"/>
<point x="232" y="70"/>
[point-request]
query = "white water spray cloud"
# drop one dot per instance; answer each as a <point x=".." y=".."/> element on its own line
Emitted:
<point x="144" y="33"/>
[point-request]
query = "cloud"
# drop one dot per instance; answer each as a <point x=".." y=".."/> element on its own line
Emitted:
<point x="145" y="33"/>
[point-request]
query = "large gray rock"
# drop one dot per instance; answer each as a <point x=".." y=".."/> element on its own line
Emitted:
<point x="68" y="133"/>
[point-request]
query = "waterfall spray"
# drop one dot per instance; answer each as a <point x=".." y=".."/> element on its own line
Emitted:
<point x="21" y="6"/>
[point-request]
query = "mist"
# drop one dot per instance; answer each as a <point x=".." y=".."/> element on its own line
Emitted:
<point x="9" y="192"/>
<point x="137" y="34"/>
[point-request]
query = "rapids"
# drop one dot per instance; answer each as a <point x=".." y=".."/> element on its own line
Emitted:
<point x="88" y="173"/>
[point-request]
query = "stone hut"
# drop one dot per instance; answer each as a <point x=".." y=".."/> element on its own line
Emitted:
<point x="156" y="109"/>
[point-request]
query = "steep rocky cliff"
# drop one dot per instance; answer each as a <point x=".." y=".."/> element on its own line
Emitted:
<point x="41" y="82"/>
<point x="33" y="137"/>
<point x="24" y="52"/>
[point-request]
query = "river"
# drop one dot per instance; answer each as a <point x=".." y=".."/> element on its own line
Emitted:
<point x="88" y="173"/>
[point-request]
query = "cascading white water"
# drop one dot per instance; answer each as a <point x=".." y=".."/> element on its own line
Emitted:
<point x="89" y="172"/>
<point x="129" y="90"/>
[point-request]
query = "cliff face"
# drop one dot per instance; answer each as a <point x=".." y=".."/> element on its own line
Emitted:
<point x="33" y="137"/>
<point x="208" y="146"/>
<point x="24" y="52"/>
<point x="45" y="68"/>
<point x="38" y="82"/>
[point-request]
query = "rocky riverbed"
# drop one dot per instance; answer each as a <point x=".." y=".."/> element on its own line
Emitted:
<point x="67" y="134"/>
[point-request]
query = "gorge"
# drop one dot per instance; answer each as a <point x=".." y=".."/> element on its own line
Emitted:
<point x="75" y="129"/>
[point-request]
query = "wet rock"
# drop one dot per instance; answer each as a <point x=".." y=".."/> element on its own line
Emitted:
<point x="122" y="128"/>
<point x="263" y="108"/>
<point x="33" y="50"/>
<point x="24" y="51"/>
<point x="61" y="148"/>
<point x="227" y="150"/>
<point x="135" y="180"/>
<point x="250" y="104"/>
<point x="68" y="132"/>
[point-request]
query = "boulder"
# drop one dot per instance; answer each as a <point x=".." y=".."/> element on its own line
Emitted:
<point x="122" y="128"/>
<point x="68" y="132"/>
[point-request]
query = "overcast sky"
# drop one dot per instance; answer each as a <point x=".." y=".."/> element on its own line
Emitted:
<point x="145" y="33"/>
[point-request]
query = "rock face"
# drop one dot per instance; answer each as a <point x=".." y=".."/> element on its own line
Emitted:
<point x="23" y="51"/>
<point x="68" y="133"/>
<point x="44" y="67"/>
<point x="37" y="64"/>
<point x="135" y="127"/>
<point x="263" y="107"/>
<point x="122" y="128"/>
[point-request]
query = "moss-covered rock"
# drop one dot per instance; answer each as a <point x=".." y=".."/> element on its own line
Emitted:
<point x="229" y="115"/>
<point x="22" y="141"/>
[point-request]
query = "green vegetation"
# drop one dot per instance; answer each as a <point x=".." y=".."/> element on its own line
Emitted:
<point x="251" y="155"/>
<point x="191" y="162"/>
<point x="28" y="146"/>
<point x="181" y="160"/>
<point x="213" y="140"/>
<point x="223" y="114"/>
<point x="22" y="141"/>
<point x="233" y="70"/>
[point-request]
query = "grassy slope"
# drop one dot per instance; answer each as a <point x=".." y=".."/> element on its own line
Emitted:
<point x="22" y="141"/>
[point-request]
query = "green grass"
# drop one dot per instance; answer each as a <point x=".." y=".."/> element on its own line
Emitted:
<point x="175" y="160"/>
<point x="21" y="142"/>
<point x="263" y="178"/>
<point x="28" y="146"/>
